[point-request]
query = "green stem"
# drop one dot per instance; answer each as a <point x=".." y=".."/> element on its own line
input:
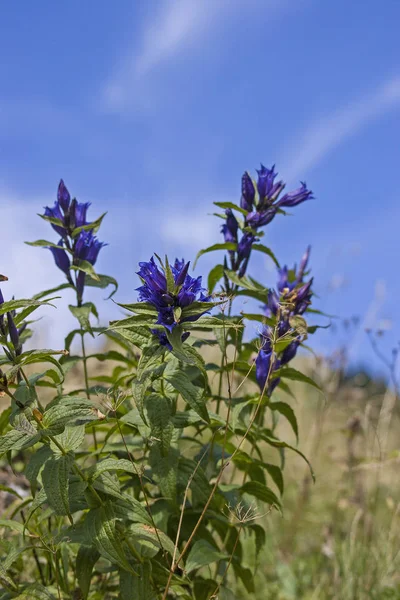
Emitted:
<point x="85" y="371"/>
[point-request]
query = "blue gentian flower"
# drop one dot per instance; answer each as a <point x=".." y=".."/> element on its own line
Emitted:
<point x="61" y="259"/>
<point x="296" y="197"/>
<point x="56" y="213"/>
<point x="265" y="181"/>
<point x="248" y="193"/>
<point x="13" y="332"/>
<point x="260" y="219"/>
<point x="291" y="298"/>
<point x="87" y="248"/>
<point x="260" y="210"/>
<point x="63" y="197"/>
<point x="155" y="291"/>
<point x="230" y="228"/>
<point x="2" y="328"/>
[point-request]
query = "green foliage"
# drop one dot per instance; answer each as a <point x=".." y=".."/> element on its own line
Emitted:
<point x="145" y="479"/>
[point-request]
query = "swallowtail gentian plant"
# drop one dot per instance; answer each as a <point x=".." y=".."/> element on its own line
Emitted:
<point x="143" y="479"/>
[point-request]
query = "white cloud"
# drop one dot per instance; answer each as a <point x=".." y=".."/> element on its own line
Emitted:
<point x="178" y="25"/>
<point x="326" y="133"/>
<point x="189" y="231"/>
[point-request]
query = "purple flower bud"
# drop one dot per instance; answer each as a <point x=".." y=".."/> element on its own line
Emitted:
<point x="2" y="329"/>
<point x="13" y="331"/>
<point x="181" y="270"/>
<point x="272" y="306"/>
<point x="295" y="197"/>
<point x="63" y="196"/>
<point x="244" y="246"/>
<point x="80" y="213"/>
<point x="265" y="181"/>
<point x="61" y="259"/>
<point x="303" y="265"/>
<point x="248" y="193"/>
<point x="263" y="362"/>
<point x="259" y="219"/>
<point x="230" y="228"/>
<point x="290" y="352"/>
<point x="56" y="213"/>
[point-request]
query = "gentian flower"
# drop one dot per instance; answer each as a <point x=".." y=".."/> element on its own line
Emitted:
<point x="230" y="228"/>
<point x="296" y="197"/>
<point x="170" y="302"/>
<point x="261" y="208"/>
<point x="13" y="332"/>
<point x="248" y="193"/>
<point x="63" y="197"/>
<point x="87" y="248"/>
<point x="2" y="328"/>
<point x="291" y="298"/>
<point x="61" y="259"/>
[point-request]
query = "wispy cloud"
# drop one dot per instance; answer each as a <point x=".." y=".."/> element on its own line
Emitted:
<point x="178" y="25"/>
<point x="325" y="134"/>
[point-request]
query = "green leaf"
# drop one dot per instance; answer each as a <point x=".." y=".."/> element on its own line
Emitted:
<point x="267" y="251"/>
<point x="4" y="577"/>
<point x="100" y="527"/>
<point x="150" y="357"/>
<point x="82" y="313"/>
<point x="214" y="276"/>
<point x="201" y="555"/>
<point x="261" y="492"/>
<point x="276" y="443"/>
<point x="131" y="509"/>
<point x="17" y="440"/>
<point x="192" y="394"/>
<point x="94" y="226"/>
<point x="140" y="308"/>
<point x="232" y="206"/>
<point x="139" y="588"/>
<point x="86" y="558"/>
<point x="36" y="462"/>
<point x="16" y="304"/>
<point x="103" y="281"/>
<point x="212" y="323"/>
<point x="16" y="525"/>
<point x="159" y="417"/>
<point x="290" y="373"/>
<point x="55" y="478"/>
<point x="43" y="244"/>
<point x="169" y="276"/>
<point x="147" y="535"/>
<point x="112" y="464"/>
<point x="70" y="410"/>
<point x="246" y="282"/>
<point x="224" y="246"/>
<point x="287" y="411"/>
<point x="87" y="268"/>
<point x="58" y="288"/>
<point x="35" y="592"/>
<point x="70" y="439"/>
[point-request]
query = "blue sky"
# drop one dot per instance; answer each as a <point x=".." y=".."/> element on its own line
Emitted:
<point x="152" y="110"/>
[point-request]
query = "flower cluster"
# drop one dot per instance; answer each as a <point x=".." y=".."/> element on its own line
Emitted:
<point x="66" y="217"/>
<point x="291" y="300"/>
<point x="259" y="203"/>
<point x="170" y="290"/>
